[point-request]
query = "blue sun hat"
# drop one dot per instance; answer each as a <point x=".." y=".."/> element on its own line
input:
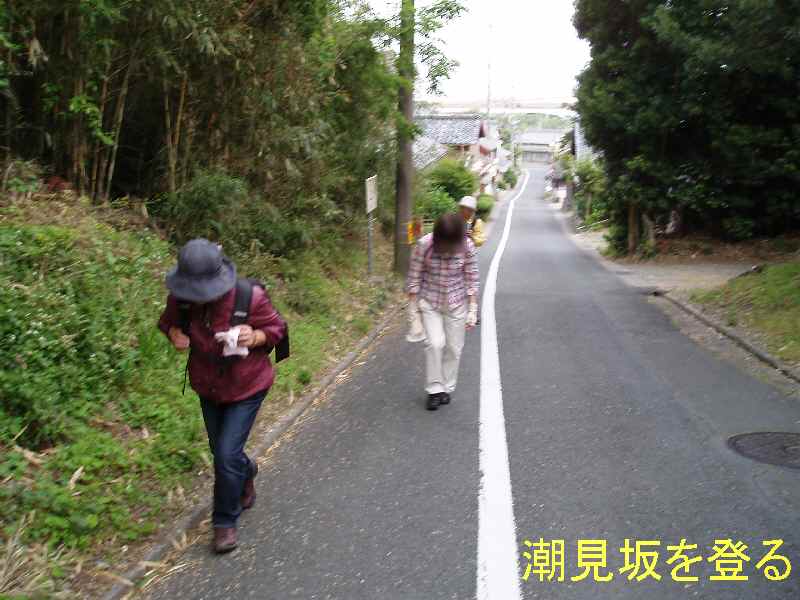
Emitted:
<point x="203" y="273"/>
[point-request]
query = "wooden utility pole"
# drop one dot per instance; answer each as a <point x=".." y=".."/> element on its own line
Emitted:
<point x="405" y="159"/>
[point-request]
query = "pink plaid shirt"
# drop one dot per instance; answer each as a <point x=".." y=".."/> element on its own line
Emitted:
<point x="444" y="281"/>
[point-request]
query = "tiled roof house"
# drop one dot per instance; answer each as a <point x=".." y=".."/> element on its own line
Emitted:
<point x="427" y="151"/>
<point x="456" y="131"/>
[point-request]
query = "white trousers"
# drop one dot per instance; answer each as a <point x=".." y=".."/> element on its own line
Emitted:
<point x="444" y="331"/>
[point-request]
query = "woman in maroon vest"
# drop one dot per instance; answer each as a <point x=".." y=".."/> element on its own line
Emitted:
<point x="231" y="388"/>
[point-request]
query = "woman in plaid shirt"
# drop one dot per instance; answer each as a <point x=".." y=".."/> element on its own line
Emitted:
<point x="443" y="282"/>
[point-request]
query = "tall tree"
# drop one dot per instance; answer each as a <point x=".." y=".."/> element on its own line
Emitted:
<point x="417" y="36"/>
<point x="693" y="103"/>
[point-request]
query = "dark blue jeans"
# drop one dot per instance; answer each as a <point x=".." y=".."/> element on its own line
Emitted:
<point x="228" y="426"/>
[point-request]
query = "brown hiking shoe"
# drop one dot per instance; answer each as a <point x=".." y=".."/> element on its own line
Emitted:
<point x="249" y="493"/>
<point x="224" y="539"/>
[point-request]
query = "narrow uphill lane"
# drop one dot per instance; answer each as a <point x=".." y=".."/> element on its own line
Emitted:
<point x="617" y="426"/>
<point x="369" y="497"/>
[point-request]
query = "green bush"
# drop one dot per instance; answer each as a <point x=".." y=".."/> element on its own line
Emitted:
<point x="307" y="285"/>
<point x="739" y="228"/>
<point x="78" y="304"/>
<point x="510" y="178"/>
<point x="92" y="347"/>
<point x="454" y="178"/>
<point x="435" y="202"/>
<point x="261" y="225"/>
<point x="200" y="207"/>
<point x="485" y="205"/>
<point x="591" y="200"/>
<point x="617" y="239"/>
<point x="216" y="206"/>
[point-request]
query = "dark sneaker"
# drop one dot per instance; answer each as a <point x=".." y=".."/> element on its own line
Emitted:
<point x="433" y="401"/>
<point x="444" y="399"/>
<point x="224" y="539"/>
<point x="249" y="494"/>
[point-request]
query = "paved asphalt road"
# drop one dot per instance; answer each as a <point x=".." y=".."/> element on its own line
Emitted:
<point x="616" y="428"/>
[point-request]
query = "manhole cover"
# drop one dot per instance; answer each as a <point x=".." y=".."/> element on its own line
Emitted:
<point x="772" y="448"/>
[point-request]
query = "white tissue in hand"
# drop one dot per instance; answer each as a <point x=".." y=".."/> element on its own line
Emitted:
<point x="231" y="340"/>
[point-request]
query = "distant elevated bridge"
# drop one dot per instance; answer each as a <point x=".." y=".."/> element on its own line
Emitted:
<point x="554" y="106"/>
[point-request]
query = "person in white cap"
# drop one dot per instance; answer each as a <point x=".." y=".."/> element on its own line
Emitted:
<point x="474" y="226"/>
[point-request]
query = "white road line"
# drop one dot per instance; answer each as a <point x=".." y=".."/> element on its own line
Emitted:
<point x="498" y="561"/>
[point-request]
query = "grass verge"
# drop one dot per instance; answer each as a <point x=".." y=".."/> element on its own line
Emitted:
<point x="766" y="304"/>
<point x="96" y="440"/>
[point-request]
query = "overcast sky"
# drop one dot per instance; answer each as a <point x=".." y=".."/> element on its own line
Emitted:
<point x="534" y="50"/>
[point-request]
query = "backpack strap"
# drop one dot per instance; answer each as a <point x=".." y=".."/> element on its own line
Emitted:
<point x="184" y="316"/>
<point x="185" y="323"/>
<point x="241" y="313"/>
<point x="241" y="302"/>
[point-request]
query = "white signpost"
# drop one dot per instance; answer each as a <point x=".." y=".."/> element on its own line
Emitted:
<point x="372" y="193"/>
<point x="372" y="204"/>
